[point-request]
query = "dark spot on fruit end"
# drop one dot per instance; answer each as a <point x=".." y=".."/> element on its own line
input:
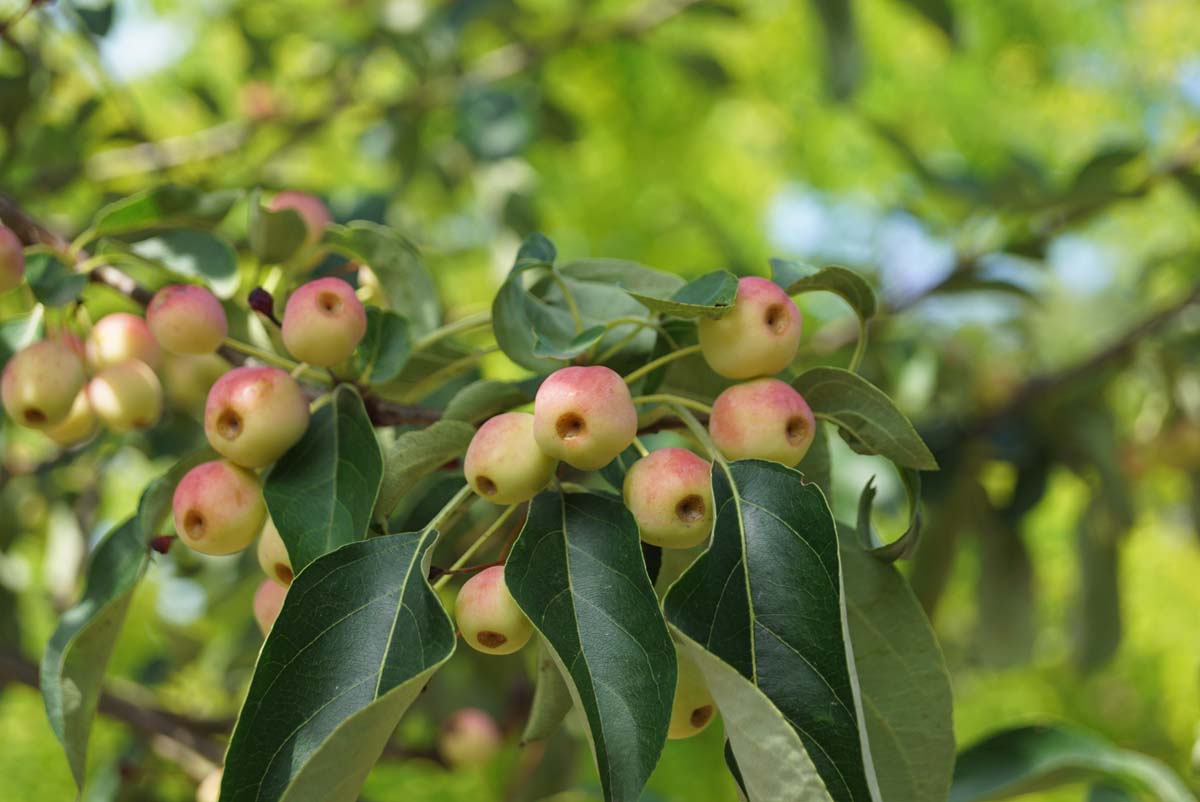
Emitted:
<point x="690" y="509"/>
<point x="570" y="425"/>
<point x="34" y="416"/>
<point x="776" y="318"/>
<point x="284" y="573"/>
<point x="329" y="302"/>
<point x="485" y="486"/>
<point x="229" y="424"/>
<point x="491" y="640"/>
<point x="193" y="524"/>
<point x="797" y="430"/>
<point x="701" y="716"/>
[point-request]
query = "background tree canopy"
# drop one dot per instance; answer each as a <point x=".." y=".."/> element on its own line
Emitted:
<point x="1019" y="180"/>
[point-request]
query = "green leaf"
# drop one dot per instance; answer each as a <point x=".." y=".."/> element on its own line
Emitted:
<point x="551" y="698"/>
<point x="73" y="665"/>
<point x="629" y="275"/>
<point x="18" y="332"/>
<point x="868" y="419"/>
<point x="52" y="282"/>
<point x="817" y="465"/>
<point x="902" y="547"/>
<point x="520" y="319"/>
<point x="193" y="254"/>
<point x="416" y="454"/>
<point x="397" y="263"/>
<point x="710" y="296"/>
<point x="385" y="348"/>
<point x="275" y="236"/>
<point x="843" y="51"/>
<point x="577" y="571"/>
<point x="772" y="761"/>
<point x="482" y="399"/>
<point x="360" y="634"/>
<point x="577" y="345"/>
<point x="163" y="207"/>
<point x="1016" y="761"/>
<point x="797" y="277"/>
<point x="321" y="492"/>
<point x="907" y="701"/>
<point x="1007" y="625"/>
<point x="1103" y="174"/>
<point x="536" y="251"/>
<point x="1098" y="625"/>
<point x="766" y="598"/>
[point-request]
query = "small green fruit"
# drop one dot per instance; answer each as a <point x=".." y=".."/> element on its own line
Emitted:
<point x="311" y="209"/>
<point x="119" y="337"/>
<point x="469" y="738"/>
<point x="693" y="707"/>
<point x="254" y="415"/>
<point x="187" y="319"/>
<point x="504" y="464"/>
<point x="40" y="383"/>
<point x="126" y="396"/>
<point x="758" y="337"/>
<point x="79" y="426"/>
<point x="488" y="617"/>
<point x="273" y="556"/>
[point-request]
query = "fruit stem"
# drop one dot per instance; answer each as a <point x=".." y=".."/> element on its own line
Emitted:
<point x="668" y="398"/>
<point x="569" y="298"/>
<point x="457" y="500"/>
<point x="474" y="547"/>
<point x="860" y="348"/>
<point x="298" y="371"/>
<point x="700" y="433"/>
<point x="665" y="359"/>
<point x="640" y="446"/>
<point x="468" y="323"/>
<point x="273" y="359"/>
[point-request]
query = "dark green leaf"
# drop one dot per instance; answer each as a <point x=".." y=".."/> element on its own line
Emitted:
<point x="576" y="570"/>
<point x="162" y="207"/>
<point x="551" y="698"/>
<point x="1016" y="761"/>
<point x="709" y="296"/>
<point x="577" y="345"/>
<point x="321" y="492"/>
<point x="797" y="277"/>
<point x="418" y="453"/>
<point x="766" y="600"/>
<point x="482" y="399"/>
<point x="360" y="634"/>
<point x="18" y="332"/>
<point x="536" y="251"/>
<point x="869" y="420"/>
<point x="397" y="263"/>
<point x="907" y="701"/>
<point x="385" y="348"/>
<point x="519" y="319"/>
<point x="1102" y="174"/>
<point x="193" y="254"/>
<point x="52" y="282"/>
<point x="843" y="53"/>
<point x="1098" y="609"/>
<point x="904" y="546"/>
<point x="816" y="465"/>
<point x="275" y="236"/>
<point x="97" y="19"/>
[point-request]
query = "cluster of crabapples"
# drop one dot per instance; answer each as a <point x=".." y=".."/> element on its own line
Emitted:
<point x="586" y="416"/>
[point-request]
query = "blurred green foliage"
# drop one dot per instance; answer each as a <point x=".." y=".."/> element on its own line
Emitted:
<point x="1019" y="178"/>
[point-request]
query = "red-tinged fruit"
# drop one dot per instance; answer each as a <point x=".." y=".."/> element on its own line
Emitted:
<point x="503" y="464"/>
<point x="273" y="556"/>
<point x="312" y="211"/>
<point x="758" y="337"/>
<point x="584" y="416"/>
<point x="469" y="738"/>
<point x="126" y="396"/>
<point x="669" y="492"/>
<point x="323" y="322"/>
<point x="254" y="415"/>
<point x="119" y="337"/>
<point x="488" y="617"/>
<point x="693" y="707"/>
<point x="12" y="260"/>
<point x="187" y="378"/>
<point x="187" y="319"/>
<point x="268" y="601"/>
<point x="762" y="419"/>
<point x="219" y="508"/>
<point x="40" y="383"/>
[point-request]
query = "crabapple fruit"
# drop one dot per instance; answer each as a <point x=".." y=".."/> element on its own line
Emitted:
<point x="187" y="319"/>
<point x="469" y="738"/>
<point x="40" y="383"/>
<point x="255" y="414"/>
<point x="187" y="378"/>
<point x="762" y="419"/>
<point x="79" y="425"/>
<point x="670" y="495"/>
<point x="312" y="211"/>
<point x="693" y="706"/>
<point x="758" y="337"/>
<point x="504" y="464"/>
<point x="323" y="322"/>
<point x="126" y="396"/>
<point x="268" y="601"/>
<point x="119" y="337"/>
<point x="209" y="789"/>
<point x="273" y="555"/>
<point x="12" y="260"/>
<point x="584" y="416"/>
<point x="219" y="507"/>
<point x="488" y="617"/>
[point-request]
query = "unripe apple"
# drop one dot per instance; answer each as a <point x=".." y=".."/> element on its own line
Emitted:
<point x="488" y="617"/>
<point x="311" y="209"/>
<point x="268" y="601"/>
<point x="584" y="416"/>
<point x="693" y="706"/>
<point x="12" y="260"/>
<point x="669" y="493"/>
<point x="758" y="337"/>
<point x="119" y="337"/>
<point x="762" y="419"/>
<point x="273" y="556"/>
<point x="187" y="319"/>
<point x="469" y="738"/>
<point x="323" y="322"/>
<point x="219" y="507"/>
<point x="504" y="464"/>
<point x="40" y="383"/>
<point x="187" y="378"/>
<point x="209" y="789"/>
<point x="80" y="424"/>
<point x="254" y="415"/>
<point x="126" y="396"/>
